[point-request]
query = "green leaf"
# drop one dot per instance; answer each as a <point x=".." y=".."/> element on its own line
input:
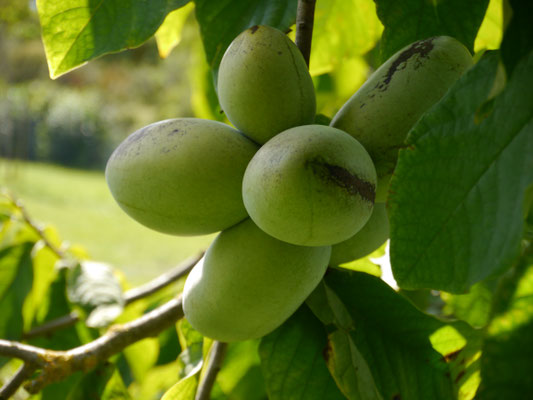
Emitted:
<point x="222" y="20"/>
<point x="185" y="389"/>
<point x="507" y="359"/>
<point x="168" y="35"/>
<point x="16" y="278"/>
<point x="410" y="20"/>
<point x="342" y="29"/>
<point x="104" y="382"/>
<point x="517" y="42"/>
<point x="44" y="273"/>
<point x="169" y="346"/>
<point x="55" y="305"/>
<point x="473" y="307"/>
<point x="380" y="340"/>
<point x="240" y="377"/>
<point x="93" y="287"/>
<point x="76" y="31"/>
<point x="490" y="33"/>
<point x="293" y="363"/>
<point x="456" y="212"/>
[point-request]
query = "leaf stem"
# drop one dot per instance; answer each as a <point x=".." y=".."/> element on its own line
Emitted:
<point x="305" y="16"/>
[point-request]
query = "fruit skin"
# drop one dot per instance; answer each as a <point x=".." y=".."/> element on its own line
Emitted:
<point x="181" y="176"/>
<point x="264" y="86"/>
<point x="385" y="108"/>
<point x="249" y="283"/>
<point x="312" y="185"/>
<point x="368" y="239"/>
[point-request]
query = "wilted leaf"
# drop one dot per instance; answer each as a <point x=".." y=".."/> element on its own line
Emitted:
<point x="93" y="287"/>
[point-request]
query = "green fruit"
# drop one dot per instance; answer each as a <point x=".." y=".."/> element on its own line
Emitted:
<point x="264" y="86"/>
<point x="369" y="238"/>
<point x="181" y="176"/>
<point x="311" y="185"/>
<point x="385" y="108"/>
<point x="249" y="283"/>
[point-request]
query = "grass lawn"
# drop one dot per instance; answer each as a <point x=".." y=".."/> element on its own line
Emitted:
<point x="80" y="206"/>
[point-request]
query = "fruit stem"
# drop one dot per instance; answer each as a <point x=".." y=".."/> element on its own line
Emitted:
<point x="305" y="16"/>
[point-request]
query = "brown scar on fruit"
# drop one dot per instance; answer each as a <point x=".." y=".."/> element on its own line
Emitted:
<point x="421" y="48"/>
<point x="343" y="178"/>
<point x="254" y="29"/>
<point x="459" y="376"/>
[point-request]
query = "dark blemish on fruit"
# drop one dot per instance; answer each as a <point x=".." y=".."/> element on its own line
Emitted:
<point x="362" y="105"/>
<point x="420" y="48"/>
<point x="342" y="177"/>
<point x="174" y="132"/>
<point x="254" y="29"/>
<point x="288" y="31"/>
<point x="280" y="53"/>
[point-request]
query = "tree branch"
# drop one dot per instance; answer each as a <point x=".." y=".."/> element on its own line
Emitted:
<point x="305" y="16"/>
<point x="130" y="296"/>
<point x="36" y="228"/>
<point x="216" y="358"/>
<point x="162" y="280"/>
<point x="16" y="381"/>
<point x="57" y="365"/>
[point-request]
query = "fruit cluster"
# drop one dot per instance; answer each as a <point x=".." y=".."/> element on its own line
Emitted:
<point x="289" y="197"/>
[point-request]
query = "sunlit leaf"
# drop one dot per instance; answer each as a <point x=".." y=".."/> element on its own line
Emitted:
<point x="456" y="210"/>
<point x="76" y="31"/>
<point x="343" y="29"/>
<point x="473" y="307"/>
<point x="44" y="273"/>
<point x="240" y="377"/>
<point x="168" y="35"/>
<point x="491" y="31"/>
<point x="141" y="357"/>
